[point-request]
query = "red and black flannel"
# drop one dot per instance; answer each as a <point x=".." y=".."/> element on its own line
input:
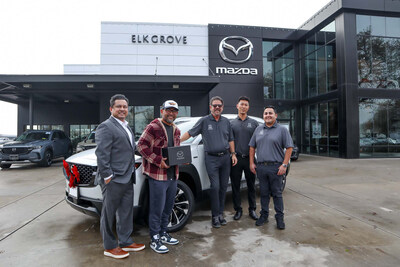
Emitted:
<point x="154" y="138"/>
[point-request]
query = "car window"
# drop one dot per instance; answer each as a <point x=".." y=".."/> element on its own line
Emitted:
<point x="186" y="125"/>
<point x="31" y="136"/>
<point x="92" y="136"/>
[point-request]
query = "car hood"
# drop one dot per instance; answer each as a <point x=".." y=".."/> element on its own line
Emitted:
<point x="25" y="143"/>
<point x="88" y="157"/>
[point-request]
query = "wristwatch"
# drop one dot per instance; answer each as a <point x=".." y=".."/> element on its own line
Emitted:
<point x="284" y="165"/>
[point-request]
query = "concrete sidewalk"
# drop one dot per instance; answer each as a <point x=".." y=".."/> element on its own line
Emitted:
<point x="338" y="213"/>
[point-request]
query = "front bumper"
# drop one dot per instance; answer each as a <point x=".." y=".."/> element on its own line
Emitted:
<point x="33" y="156"/>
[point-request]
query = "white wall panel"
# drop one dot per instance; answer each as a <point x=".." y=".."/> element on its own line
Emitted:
<point x="118" y="49"/>
<point x="151" y="60"/>
<point x="120" y="56"/>
<point x="118" y="69"/>
<point x="119" y="59"/>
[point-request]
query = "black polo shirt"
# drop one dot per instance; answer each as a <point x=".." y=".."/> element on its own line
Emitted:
<point x="216" y="134"/>
<point x="243" y="131"/>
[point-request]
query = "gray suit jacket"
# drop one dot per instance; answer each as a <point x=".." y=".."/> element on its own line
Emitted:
<point x="115" y="153"/>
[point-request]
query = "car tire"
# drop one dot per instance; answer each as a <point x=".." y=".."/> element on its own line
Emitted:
<point x="47" y="159"/>
<point x="5" y="166"/>
<point x="183" y="207"/>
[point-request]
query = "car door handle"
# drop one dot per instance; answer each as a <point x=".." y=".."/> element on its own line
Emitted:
<point x="195" y="157"/>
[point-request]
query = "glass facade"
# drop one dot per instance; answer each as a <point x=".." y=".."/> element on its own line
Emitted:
<point x="379" y="127"/>
<point x="78" y="132"/>
<point x="278" y="70"/>
<point x="378" y="50"/>
<point x="289" y="117"/>
<point x="318" y="62"/>
<point x="320" y="129"/>
<point x="139" y="117"/>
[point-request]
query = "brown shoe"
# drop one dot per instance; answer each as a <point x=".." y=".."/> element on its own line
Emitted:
<point x="134" y="247"/>
<point x="116" y="253"/>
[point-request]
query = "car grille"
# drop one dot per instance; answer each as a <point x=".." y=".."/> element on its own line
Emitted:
<point x="15" y="150"/>
<point x="85" y="174"/>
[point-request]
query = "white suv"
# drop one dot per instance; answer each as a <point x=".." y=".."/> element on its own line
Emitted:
<point x="193" y="182"/>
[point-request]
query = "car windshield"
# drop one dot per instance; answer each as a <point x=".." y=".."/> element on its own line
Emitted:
<point x="184" y="126"/>
<point x="31" y="136"/>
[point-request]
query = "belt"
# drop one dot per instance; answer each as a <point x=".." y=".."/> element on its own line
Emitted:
<point x="269" y="163"/>
<point x="242" y="156"/>
<point x="217" y="154"/>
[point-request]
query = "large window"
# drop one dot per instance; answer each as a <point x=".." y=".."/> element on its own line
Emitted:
<point x="278" y="70"/>
<point x="78" y="132"/>
<point x="379" y="127"/>
<point x="378" y="50"/>
<point x="318" y="61"/>
<point x="139" y="117"/>
<point x="320" y="129"/>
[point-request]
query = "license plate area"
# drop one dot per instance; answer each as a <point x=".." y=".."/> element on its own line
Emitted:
<point x="72" y="192"/>
<point x="14" y="157"/>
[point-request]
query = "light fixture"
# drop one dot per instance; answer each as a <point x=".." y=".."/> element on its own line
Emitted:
<point x="66" y="101"/>
<point x="27" y="85"/>
<point x="90" y="85"/>
<point x="175" y="86"/>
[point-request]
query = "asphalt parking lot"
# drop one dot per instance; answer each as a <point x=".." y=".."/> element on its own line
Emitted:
<point x="338" y="213"/>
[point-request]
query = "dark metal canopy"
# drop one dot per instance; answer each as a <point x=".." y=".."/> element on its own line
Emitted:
<point x="84" y="88"/>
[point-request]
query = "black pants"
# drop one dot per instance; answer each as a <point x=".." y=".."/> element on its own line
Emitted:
<point x="243" y="164"/>
<point x="218" y="169"/>
<point x="270" y="185"/>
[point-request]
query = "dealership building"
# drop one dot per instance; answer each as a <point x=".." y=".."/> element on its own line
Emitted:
<point x="334" y="80"/>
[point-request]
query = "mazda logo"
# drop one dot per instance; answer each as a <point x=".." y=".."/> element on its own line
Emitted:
<point x="223" y="45"/>
<point x="179" y="154"/>
<point x="13" y="149"/>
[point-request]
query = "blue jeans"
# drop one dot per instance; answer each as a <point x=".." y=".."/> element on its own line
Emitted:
<point x="161" y="202"/>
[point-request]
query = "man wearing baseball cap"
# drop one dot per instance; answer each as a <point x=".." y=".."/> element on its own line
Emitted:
<point x="159" y="134"/>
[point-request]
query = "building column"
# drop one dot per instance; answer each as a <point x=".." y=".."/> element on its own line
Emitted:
<point x="31" y="111"/>
<point x="347" y="78"/>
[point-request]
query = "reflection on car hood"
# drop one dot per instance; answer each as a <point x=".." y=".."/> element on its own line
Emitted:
<point x="25" y="143"/>
<point x="87" y="157"/>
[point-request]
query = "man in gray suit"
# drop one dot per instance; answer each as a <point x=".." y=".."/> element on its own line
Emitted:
<point x="116" y="174"/>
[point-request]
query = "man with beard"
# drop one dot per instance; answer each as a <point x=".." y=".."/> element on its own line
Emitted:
<point x="270" y="140"/>
<point x="219" y="148"/>
<point x="243" y="128"/>
<point x="159" y="134"/>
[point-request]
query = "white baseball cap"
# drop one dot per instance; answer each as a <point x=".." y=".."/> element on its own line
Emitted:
<point x="170" y="104"/>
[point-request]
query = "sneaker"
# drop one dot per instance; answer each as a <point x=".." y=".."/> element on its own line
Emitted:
<point x="215" y="222"/>
<point x="167" y="239"/>
<point x="222" y="220"/>
<point x="116" y="253"/>
<point x="157" y="245"/>
<point x="134" y="247"/>
<point x="263" y="219"/>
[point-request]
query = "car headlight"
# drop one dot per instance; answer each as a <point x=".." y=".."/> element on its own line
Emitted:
<point x="35" y="147"/>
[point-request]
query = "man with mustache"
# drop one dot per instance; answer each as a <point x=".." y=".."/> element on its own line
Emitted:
<point x="159" y="134"/>
<point x="220" y="153"/>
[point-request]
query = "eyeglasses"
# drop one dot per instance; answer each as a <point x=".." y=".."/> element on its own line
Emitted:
<point x="217" y="106"/>
<point x="171" y="110"/>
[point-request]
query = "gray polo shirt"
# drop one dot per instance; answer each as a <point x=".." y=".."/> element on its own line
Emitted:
<point x="242" y="132"/>
<point x="216" y="134"/>
<point x="270" y="142"/>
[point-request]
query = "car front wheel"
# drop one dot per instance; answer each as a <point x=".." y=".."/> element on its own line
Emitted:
<point x="47" y="159"/>
<point x="5" y="166"/>
<point x="183" y="207"/>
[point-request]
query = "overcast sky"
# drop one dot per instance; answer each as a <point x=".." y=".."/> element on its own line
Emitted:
<point x="40" y="36"/>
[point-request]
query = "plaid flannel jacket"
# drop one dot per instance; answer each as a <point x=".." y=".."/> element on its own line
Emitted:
<point x="153" y="139"/>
